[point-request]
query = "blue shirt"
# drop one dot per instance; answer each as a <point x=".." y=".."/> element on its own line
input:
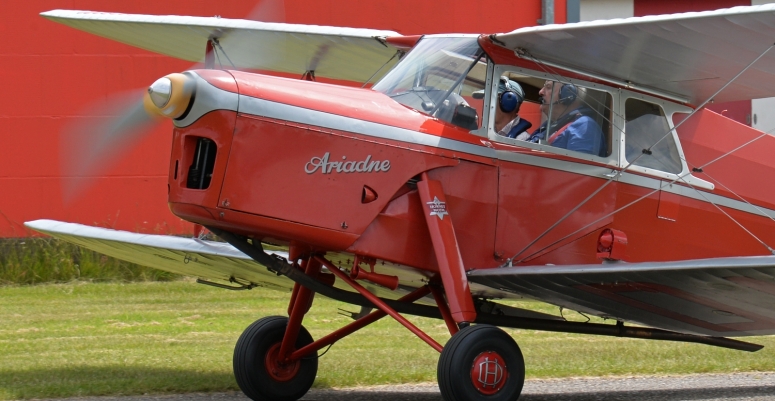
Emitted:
<point x="582" y="135"/>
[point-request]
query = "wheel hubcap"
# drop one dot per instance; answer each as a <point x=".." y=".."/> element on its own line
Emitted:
<point x="280" y="371"/>
<point x="489" y="373"/>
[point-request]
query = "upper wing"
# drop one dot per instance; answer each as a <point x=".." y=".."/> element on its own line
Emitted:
<point x="717" y="297"/>
<point x="338" y="53"/>
<point x="187" y="256"/>
<point x="690" y="55"/>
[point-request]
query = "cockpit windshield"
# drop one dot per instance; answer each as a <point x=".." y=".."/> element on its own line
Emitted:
<point x="438" y="78"/>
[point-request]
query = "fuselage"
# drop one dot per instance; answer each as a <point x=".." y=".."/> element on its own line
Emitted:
<point x="334" y="168"/>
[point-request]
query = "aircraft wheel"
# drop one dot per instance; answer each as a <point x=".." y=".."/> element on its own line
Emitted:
<point x="481" y="362"/>
<point x="259" y="373"/>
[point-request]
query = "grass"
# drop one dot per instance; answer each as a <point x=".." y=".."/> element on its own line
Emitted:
<point x="84" y="339"/>
<point x="45" y="260"/>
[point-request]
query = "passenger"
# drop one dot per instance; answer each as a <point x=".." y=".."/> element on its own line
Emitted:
<point x="572" y="127"/>
<point x="507" y="120"/>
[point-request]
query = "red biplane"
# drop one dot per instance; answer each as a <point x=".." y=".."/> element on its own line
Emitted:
<point x="402" y="196"/>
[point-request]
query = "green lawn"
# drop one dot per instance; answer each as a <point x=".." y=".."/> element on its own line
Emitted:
<point x="96" y="339"/>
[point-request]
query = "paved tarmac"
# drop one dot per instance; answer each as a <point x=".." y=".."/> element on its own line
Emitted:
<point x="736" y="387"/>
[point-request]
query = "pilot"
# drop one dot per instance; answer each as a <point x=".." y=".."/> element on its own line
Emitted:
<point x="507" y="120"/>
<point x="572" y="127"/>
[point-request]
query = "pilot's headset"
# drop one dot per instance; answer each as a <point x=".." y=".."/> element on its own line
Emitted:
<point x="510" y="95"/>
<point x="568" y="94"/>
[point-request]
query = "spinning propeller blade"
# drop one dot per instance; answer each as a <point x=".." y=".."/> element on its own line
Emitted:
<point x="92" y="145"/>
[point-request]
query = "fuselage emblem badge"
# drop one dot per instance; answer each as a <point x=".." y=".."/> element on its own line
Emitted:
<point x="438" y="208"/>
<point x="325" y="166"/>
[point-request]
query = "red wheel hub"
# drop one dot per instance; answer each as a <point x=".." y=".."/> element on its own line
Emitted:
<point x="280" y="371"/>
<point x="489" y="373"/>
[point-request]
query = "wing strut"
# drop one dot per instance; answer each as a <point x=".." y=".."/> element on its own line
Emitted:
<point x="209" y="55"/>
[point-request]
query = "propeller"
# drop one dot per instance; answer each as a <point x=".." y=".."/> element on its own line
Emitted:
<point x="92" y="145"/>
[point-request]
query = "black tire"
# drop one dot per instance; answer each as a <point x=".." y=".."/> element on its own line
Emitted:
<point x="250" y="366"/>
<point x="465" y="350"/>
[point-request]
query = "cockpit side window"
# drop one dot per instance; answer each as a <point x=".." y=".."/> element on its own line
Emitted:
<point x="645" y="127"/>
<point x="561" y="115"/>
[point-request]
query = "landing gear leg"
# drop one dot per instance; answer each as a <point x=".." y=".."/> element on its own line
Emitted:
<point x="481" y="362"/>
<point x="263" y="365"/>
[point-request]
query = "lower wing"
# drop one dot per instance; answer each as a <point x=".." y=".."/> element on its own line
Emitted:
<point x="187" y="256"/>
<point x="221" y="262"/>
<point x="715" y="297"/>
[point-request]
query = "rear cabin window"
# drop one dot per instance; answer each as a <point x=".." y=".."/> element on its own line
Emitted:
<point x="645" y="127"/>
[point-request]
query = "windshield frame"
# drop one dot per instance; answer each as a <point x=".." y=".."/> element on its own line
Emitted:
<point x="434" y="75"/>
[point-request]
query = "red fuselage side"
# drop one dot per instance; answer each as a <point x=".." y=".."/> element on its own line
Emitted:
<point x="334" y="168"/>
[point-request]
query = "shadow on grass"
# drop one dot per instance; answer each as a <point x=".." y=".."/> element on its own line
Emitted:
<point x="79" y="381"/>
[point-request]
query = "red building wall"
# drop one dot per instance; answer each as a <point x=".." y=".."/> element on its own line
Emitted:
<point x="53" y="76"/>
<point x="656" y="7"/>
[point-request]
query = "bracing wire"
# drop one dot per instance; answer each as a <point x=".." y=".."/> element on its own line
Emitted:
<point x="218" y="44"/>
<point x="662" y="185"/>
<point x="760" y="210"/>
<point x="380" y="68"/>
<point x="757" y="208"/>
<point x="704" y="196"/>
<point x="772" y="251"/>
<point x="218" y="56"/>
<point x="620" y="171"/>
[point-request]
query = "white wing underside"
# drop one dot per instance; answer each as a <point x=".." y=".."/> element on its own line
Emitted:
<point x="187" y="256"/>
<point x="690" y="55"/>
<point x="209" y="260"/>
<point x="338" y="53"/>
<point x="218" y="261"/>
